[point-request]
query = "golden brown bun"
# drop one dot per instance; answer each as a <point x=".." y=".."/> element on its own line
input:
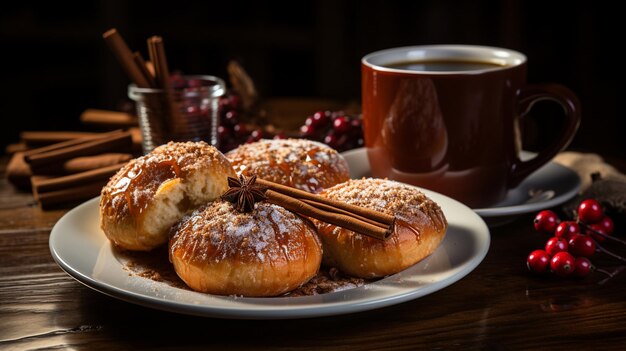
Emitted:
<point x="148" y="195"/>
<point x="266" y="252"/>
<point x="299" y="163"/>
<point x="420" y="228"/>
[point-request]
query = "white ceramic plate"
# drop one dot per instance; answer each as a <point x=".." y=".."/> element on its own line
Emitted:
<point x="81" y="249"/>
<point x="557" y="183"/>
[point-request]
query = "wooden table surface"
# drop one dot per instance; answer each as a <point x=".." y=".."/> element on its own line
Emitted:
<point x="497" y="306"/>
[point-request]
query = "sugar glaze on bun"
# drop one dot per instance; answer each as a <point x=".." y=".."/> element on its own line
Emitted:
<point x="149" y="194"/>
<point x="419" y="229"/>
<point x="266" y="252"/>
<point x="304" y="164"/>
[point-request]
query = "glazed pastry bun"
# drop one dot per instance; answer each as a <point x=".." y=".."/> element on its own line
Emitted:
<point x="148" y="195"/>
<point x="299" y="163"/>
<point x="419" y="228"/>
<point x="266" y="252"/>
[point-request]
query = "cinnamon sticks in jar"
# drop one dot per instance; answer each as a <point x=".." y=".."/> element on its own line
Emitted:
<point x="158" y="106"/>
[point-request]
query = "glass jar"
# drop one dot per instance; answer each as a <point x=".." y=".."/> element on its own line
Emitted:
<point x="189" y="113"/>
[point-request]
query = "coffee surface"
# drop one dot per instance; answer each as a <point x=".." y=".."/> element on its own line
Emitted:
<point x="443" y="66"/>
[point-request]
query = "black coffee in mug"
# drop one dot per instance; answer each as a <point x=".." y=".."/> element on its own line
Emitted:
<point x="443" y="66"/>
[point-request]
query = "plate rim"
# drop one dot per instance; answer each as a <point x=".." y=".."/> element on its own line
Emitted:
<point x="481" y="235"/>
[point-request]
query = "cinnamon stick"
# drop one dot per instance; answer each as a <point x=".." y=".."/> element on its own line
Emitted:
<point x="156" y="50"/>
<point x="301" y="194"/>
<point x="15" y="147"/>
<point x="339" y="219"/>
<point x="141" y="63"/>
<point x="70" y="195"/>
<point x="150" y="67"/>
<point x="42" y="138"/>
<point x="18" y="172"/>
<point x="87" y="163"/>
<point x="67" y="143"/>
<point x="329" y="208"/>
<point x="125" y="57"/>
<point x="137" y="138"/>
<point x="44" y="184"/>
<point x="116" y="141"/>
<point x="108" y="119"/>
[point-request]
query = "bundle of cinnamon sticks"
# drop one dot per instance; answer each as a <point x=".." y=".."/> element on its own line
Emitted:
<point x="165" y="121"/>
<point x="70" y="170"/>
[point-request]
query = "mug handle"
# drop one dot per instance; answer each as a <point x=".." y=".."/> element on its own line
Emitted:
<point x="527" y="97"/>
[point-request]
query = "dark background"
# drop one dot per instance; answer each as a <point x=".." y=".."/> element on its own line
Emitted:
<point x="56" y="63"/>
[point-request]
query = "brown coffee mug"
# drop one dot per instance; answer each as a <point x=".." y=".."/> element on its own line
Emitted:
<point x="447" y="118"/>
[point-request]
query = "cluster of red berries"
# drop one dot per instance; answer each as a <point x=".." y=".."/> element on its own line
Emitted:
<point x="573" y="243"/>
<point x="232" y="132"/>
<point x="334" y="128"/>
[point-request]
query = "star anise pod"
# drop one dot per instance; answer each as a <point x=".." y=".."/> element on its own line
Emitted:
<point x="244" y="193"/>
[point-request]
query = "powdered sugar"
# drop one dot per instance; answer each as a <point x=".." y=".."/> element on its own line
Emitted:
<point x="387" y="196"/>
<point x="136" y="183"/>
<point x="217" y="232"/>
<point x="301" y="163"/>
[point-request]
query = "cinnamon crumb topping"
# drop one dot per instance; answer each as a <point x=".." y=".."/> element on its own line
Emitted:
<point x="387" y="196"/>
<point x="300" y="163"/>
<point x="218" y="232"/>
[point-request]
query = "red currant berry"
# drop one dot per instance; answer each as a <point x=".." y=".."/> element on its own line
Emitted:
<point x="538" y="261"/>
<point x="320" y="117"/>
<point x="193" y="110"/>
<point x="562" y="264"/>
<point x="546" y="221"/>
<point x="341" y="124"/>
<point x="356" y="123"/>
<point x="307" y="131"/>
<point x="309" y="121"/>
<point x="204" y="110"/>
<point x="240" y="130"/>
<point x="556" y="245"/>
<point x="231" y="118"/>
<point x="567" y="229"/>
<point x="331" y="139"/>
<point x="224" y="132"/>
<point x="582" y="267"/>
<point x="597" y="227"/>
<point x="234" y="101"/>
<point x="607" y="224"/>
<point x="582" y="245"/>
<point x="257" y="134"/>
<point x="224" y="104"/>
<point x="590" y="211"/>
